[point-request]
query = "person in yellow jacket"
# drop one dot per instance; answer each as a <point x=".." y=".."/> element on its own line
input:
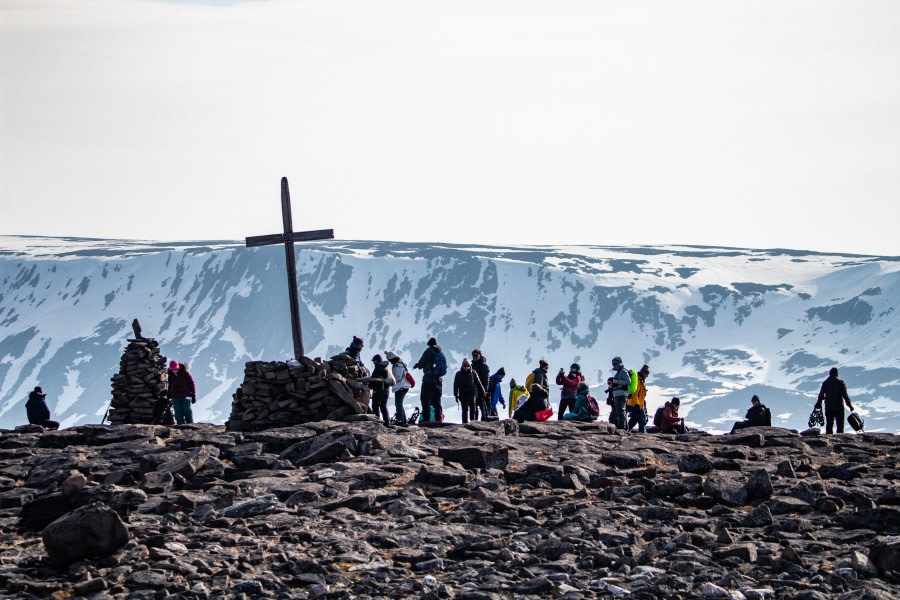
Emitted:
<point x="636" y="405"/>
<point x="514" y="392"/>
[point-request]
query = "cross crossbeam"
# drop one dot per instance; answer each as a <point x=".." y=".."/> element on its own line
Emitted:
<point x="288" y="238"/>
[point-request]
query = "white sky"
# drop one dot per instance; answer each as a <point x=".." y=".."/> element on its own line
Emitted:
<point x="755" y="124"/>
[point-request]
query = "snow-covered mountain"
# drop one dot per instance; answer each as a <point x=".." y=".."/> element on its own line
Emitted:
<point x="715" y="325"/>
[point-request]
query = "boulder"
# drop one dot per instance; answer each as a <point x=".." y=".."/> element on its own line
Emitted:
<point x="93" y="530"/>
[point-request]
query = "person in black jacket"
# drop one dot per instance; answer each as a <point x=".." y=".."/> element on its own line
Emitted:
<point x="38" y="411"/>
<point x="380" y="382"/>
<point x="483" y="372"/>
<point x="757" y="416"/>
<point x="834" y="393"/>
<point x="466" y="390"/>
<point x="538" y="400"/>
<point x="432" y="383"/>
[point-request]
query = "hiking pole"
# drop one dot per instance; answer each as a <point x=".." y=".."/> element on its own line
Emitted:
<point x="106" y="414"/>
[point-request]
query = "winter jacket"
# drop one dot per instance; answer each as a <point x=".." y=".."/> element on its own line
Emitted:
<point x="37" y="409"/>
<point x="538" y="376"/>
<point x="181" y="384"/>
<point x="465" y="384"/>
<point x="621" y="380"/>
<point x="381" y="381"/>
<point x="580" y="411"/>
<point x="496" y="392"/>
<point x="569" y="384"/>
<point x="833" y="391"/>
<point x="399" y="371"/>
<point x="639" y="397"/>
<point x="481" y="368"/>
<point x="670" y="418"/>
<point x="426" y="363"/>
<point x="514" y="393"/>
<point x="757" y="416"/>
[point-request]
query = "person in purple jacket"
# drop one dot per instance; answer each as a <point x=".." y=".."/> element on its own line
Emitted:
<point x="182" y="392"/>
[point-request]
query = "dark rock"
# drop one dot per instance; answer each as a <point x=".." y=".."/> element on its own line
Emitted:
<point x="93" y="530"/>
<point x="759" y="485"/>
<point x="760" y="516"/>
<point x="477" y="457"/>
<point x="745" y="552"/>
<point x="441" y="476"/>
<point x="886" y="558"/>
<point x="694" y="463"/>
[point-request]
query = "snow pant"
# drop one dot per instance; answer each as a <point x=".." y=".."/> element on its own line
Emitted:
<point x="637" y="416"/>
<point x="431" y="398"/>
<point x="469" y="410"/>
<point x="399" y="411"/>
<point x="619" y="412"/>
<point x="565" y="405"/>
<point x="183" y="412"/>
<point x="834" y="414"/>
<point x="379" y="406"/>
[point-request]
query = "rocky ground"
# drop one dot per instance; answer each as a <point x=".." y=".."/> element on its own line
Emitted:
<point x="488" y="510"/>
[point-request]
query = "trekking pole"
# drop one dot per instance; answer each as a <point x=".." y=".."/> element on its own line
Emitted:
<point x="106" y="414"/>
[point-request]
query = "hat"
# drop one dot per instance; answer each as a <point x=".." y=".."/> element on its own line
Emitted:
<point x="543" y="363"/>
<point x="645" y="369"/>
<point x="755" y="398"/>
<point x="476" y="352"/>
<point x="357" y="341"/>
<point x="465" y="362"/>
<point x="173" y="365"/>
<point x="617" y="361"/>
<point x="377" y="359"/>
<point x="501" y="371"/>
<point x="38" y="389"/>
<point x="833" y="371"/>
<point x="575" y="367"/>
<point x="432" y="342"/>
<point x="512" y="382"/>
<point x="390" y="355"/>
<point x="676" y="401"/>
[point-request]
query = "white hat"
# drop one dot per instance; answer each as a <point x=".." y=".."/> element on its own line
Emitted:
<point x="390" y="355"/>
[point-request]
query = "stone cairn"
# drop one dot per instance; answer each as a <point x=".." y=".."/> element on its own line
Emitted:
<point x="141" y="377"/>
<point x="277" y="394"/>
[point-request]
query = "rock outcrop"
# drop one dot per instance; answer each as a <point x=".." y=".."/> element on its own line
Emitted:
<point x="487" y="510"/>
<point x="137" y="385"/>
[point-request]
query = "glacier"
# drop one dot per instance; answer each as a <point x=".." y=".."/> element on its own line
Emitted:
<point x="716" y="325"/>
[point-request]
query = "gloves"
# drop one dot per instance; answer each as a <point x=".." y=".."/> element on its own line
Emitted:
<point x="851" y="406"/>
<point x="193" y="399"/>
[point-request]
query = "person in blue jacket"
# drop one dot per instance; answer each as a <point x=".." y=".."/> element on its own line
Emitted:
<point x="495" y="390"/>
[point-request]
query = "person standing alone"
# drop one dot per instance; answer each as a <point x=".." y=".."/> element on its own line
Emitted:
<point x="834" y="393"/>
<point x="182" y="392"/>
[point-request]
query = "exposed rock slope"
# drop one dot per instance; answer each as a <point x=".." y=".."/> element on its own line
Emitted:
<point x="489" y="510"/>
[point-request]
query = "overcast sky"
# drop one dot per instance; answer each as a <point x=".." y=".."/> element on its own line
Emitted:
<point x="754" y="124"/>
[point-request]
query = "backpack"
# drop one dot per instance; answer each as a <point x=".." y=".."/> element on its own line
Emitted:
<point x="633" y="384"/>
<point x="592" y="407"/>
<point x="440" y="365"/>
<point x="408" y="375"/>
<point x="657" y="418"/>
<point x="768" y="417"/>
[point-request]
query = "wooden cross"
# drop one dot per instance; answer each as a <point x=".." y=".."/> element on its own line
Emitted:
<point x="288" y="238"/>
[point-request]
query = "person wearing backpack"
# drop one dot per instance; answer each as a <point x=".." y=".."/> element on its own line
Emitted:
<point x="434" y="366"/>
<point x="621" y="381"/>
<point x="569" y="385"/>
<point x="670" y="421"/>
<point x="581" y="409"/>
<point x="757" y="416"/>
<point x="401" y="386"/>
<point x="466" y="390"/>
<point x="834" y="393"/>
<point x="636" y="403"/>
<point x="483" y="373"/>
<point x="380" y="382"/>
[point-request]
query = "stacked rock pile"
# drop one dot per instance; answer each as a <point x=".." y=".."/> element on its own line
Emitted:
<point x="276" y="394"/>
<point x="484" y="511"/>
<point x="141" y="377"/>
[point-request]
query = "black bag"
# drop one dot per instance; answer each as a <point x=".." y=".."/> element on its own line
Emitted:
<point x="855" y="421"/>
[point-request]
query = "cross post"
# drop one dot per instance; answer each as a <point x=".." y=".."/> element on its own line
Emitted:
<point x="288" y="238"/>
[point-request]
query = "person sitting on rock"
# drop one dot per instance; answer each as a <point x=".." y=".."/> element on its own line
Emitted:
<point x="38" y="411"/>
<point x="580" y="412"/>
<point x="671" y="422"/>
<point x="354" y="351"/>
<point x="757" y="416"/>
<point x="538" y="400"/>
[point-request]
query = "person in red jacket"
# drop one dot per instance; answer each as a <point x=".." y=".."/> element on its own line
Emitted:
<point x="569" y="385"/>
<point x="671" y="422"/>
<point x="182" y="392"/>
